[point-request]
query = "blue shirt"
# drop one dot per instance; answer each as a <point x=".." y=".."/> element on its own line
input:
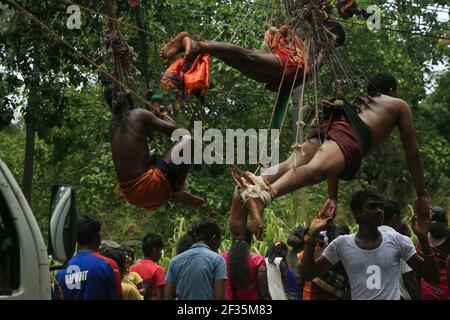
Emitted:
<point x="194" y="271"/>
<point x="291" y="285"/>
<point x="88" y="276"/>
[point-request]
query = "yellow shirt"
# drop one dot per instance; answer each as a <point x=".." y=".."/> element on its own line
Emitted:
<point x="134" y="277"/>
<point x="130" y="292"/>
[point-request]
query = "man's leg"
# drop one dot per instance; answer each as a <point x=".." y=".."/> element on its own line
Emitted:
<point x="327" y="161"/>
<point x="296" y="159"/>
<point x="182" y="170"/>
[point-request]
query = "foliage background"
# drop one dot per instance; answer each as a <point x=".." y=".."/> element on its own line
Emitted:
<point x="72" y="121"/>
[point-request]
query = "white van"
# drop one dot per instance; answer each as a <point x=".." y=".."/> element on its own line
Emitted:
<point x="24" y="266"/>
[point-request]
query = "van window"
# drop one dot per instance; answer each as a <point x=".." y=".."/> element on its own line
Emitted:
<point x="9" y="251"/>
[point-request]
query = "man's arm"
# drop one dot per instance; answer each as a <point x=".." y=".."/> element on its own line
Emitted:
<point x="426" y="266"/>
<point x="262" y="285"/>
<point x="329" y="209"/>
<point x="152" y="122"/>
<point x="170" y="292"/>
<point x="413" y="162"/>
<point x="311" y="268"/>
<point x="411" y="284"/>
<point x="219" y="290"/>
<point x="160" y="292"/>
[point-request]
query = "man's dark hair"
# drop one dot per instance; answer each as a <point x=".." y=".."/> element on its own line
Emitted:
<point x="337" y="29"/>
<point x="381" y="82"/>
<point x="87" y="230"/>
<point x="238" y="261"/>
<point x="439" y="225"/>
<point x="204" y="229"/>
<point x="391" y="209"/>
<point x="278" y="249"/>
<point x="360" y="197"/>
<point x="295" y="240"/>
<point x="184" y="243"/>
<point x="116" y="254"/>
<point x="150" y="242"/>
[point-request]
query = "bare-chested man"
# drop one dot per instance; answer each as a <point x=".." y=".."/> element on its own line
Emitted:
<point x="147" y="183"/>
<point x="351" y="136"/>
<point x="283" y="61"/>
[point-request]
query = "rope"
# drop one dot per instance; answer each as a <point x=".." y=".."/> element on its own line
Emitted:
<point x="85" y="58"/>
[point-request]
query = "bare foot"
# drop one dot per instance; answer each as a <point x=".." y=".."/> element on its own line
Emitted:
<point x="173" y="47"/>
<point x="255" y="208"/>
<point x="187" y="199"/>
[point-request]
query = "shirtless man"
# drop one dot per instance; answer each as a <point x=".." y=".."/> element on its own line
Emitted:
<point x="350" y="137"/>
<point x="144" y="182"/>
<point x="267" y="66"/>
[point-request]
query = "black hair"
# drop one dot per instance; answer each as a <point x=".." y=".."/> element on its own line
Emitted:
<point x="296" y="239"/>
<point x="337" y="29"/>
<point x="122" y="106"/>
<point x="331" y="230"/>
<point x="87" y="230"/>
<point x="150" y="242"/>
<point x="381" y="82"/>
<point x="360" y="197"/>
<point x="204" y="229"/>
<point x="116" y="254"/>
<point x="184" y="243"/>
<point x="391" y="209"/>
<point x="128" y="251"/>
<point x="439" y="226"/>
<point x="238" y="260"/>
<point x="342" y="229"/>
<point x="278" y="249"/>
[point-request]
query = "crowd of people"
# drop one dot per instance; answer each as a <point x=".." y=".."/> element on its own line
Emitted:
<point x="324" y="262"/>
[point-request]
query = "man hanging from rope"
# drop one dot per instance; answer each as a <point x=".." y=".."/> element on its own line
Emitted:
<point x="146" y="182"/>
<point x="282" y="62"/>
<point x="351" y="133"/>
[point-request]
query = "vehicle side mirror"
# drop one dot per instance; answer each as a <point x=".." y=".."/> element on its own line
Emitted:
<point x="62" y="235"/>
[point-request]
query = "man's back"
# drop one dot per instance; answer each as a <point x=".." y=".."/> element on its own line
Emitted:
<point x="89" y="276"/>
<point x="152" y="274"/>
<point x="194" y="271"/>
<point x="130" y="144"/>
<point x="382" y="114"/>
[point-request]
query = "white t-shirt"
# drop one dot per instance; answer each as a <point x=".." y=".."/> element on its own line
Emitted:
<point x="373" y="274"/>
<point x="404" y="268"/>
<point x="274" y="279"/>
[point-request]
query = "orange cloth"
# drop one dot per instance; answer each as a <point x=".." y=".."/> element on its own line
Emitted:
<point x="195" y="81"/>
<point x="149" y="191"/>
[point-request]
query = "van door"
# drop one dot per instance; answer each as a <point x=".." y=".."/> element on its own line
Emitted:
<point x="24" y="272"/>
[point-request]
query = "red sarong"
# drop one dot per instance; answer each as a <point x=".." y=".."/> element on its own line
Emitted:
<point x="290" y="57"/>
<point x="148" y="191"/>
<point x="195" y="81"/>
<point x="349" y="142"/>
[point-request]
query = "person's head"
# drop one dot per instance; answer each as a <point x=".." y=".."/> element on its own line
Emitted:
<point x="327" y="235"/>
<point x="117" y="255"/>
<point x="118" y="108"/>
<point x="382" y="82"/>
<point x="184" y="243"/>
<point x="152" y="246"/>
<point x="238" y="260"/>
<point x="295" y="240"/>
<point x="278" y="249"/>
<point x="342" y="230"/>
<point x="392" y="214"/>
<point x="208" y="231"/>
<point x="337" y="30"/>
<point x="88" y="233"/>
<point x="439" y="224"/>
<point x="129" y="255"/>
<point x="367" y="208"/>
<point x="156" y="99"/>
